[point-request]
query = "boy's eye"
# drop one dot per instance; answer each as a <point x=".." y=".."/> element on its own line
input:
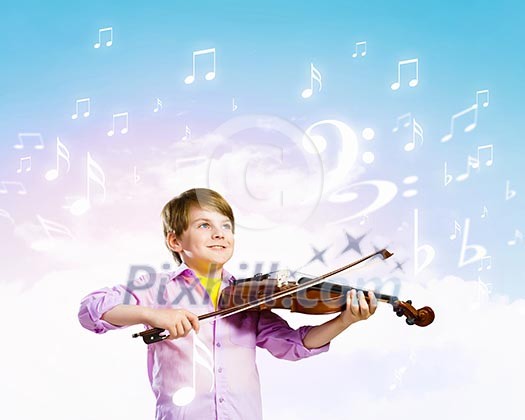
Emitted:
<point x="207" y="225"/>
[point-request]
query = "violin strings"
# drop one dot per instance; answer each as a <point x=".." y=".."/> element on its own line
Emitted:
<point x="212" y="316"/>
<point x="232" y="311"/>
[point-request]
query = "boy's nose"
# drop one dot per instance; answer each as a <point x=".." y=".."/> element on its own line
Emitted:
<point x="217" y="233"/>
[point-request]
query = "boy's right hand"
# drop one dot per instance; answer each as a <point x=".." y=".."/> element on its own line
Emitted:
<point x="179" y="322"/>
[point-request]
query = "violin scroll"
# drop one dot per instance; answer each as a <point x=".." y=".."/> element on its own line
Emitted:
<point x="421" y="317"/>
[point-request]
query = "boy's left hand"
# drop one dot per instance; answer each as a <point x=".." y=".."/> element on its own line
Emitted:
<point x="357" y="308"/>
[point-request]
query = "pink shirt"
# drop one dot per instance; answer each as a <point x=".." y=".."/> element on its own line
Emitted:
<point x="219" y="365"/>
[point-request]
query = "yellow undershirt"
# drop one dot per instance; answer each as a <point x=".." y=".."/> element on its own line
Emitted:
<point x="212" y="286"/>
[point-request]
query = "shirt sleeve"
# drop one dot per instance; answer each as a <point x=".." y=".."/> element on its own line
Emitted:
<point x="96" y="304"/>
<point x="275" y="335"/>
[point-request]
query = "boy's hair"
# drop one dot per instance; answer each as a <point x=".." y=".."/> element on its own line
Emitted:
<point x="175" y="214"/>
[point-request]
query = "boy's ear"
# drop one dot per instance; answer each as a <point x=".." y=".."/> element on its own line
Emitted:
<point x="172" y="242"/>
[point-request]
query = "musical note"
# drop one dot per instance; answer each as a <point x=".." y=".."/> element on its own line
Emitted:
<point x="448" y="177"/>
<point x="474" y="108"/>
<point x="314" y="75"/>
<point x="52" y="228"/>
<point x="210" y="75"/>
<point x="234" y="105"/>
<point x="474" y="163"/>
<point x="85" y="113"/>
<point x="22" y="136"/>
<point x="124" y="130"/>
<point x="108" y="43"/>
<point x="508" y="192"/>
<point x="5" y="214"/>
<point x="486" y="93"/>
<point x="360" y="46"/>
<point x="136" y="177"/>
<point x="63" y="153"/>
<point x="483" y="290"/>
<point x="479" y="251"/>
<point x="485" y="212"/>
<point x="188" y="134"/>
<point x="457" y="228"/>
<point x="94" y="174"/>
<point x="429" y="251"/>
<point x="468" y="128"/>
<point x="409" y="180"/>
<point x="405" y="117"/>
<point x="471" y="163"/>
<point x="488" y="147"/>
<point x="399" y="373"/>
<point x="412" y="82"/>
<point x="485" y="287"/>
<point x="4" y="187"/>
<point x="417" y="130"/>
<point x="489" y="263"/>
<point x="158" y="106"/>
<point x="518" y="237"/>
<point x="22" y="160"/>
<point x="185" y="395"/>
<point x="474" y="124"/>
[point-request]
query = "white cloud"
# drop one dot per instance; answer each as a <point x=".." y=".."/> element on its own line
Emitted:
<point x="467" y="363"/>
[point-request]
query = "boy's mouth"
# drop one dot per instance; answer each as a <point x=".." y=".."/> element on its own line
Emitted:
<point x="217" y="247"/>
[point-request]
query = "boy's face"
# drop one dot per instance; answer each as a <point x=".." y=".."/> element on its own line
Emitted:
<point x="208" y="241"/>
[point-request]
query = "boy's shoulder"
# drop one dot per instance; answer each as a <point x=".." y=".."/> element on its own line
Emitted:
<point x="150" y="278"/>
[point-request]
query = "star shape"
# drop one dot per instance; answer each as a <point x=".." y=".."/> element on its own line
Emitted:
<point x="353" y="243"/>
<point x="318" y="255"/>
<point x="399" y="265"/>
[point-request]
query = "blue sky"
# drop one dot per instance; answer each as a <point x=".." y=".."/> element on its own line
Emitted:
<point x="264" y="51"/>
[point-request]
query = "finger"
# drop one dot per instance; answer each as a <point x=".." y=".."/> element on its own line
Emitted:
<point x="173" y="333"/>
<point x="363" y="305"/>
<point x="180" y="329"/>
<point x="354" y="304"/>
<point x="348" y="300"/>
<point x="373" y="301"/>
<point x="186" y="325"/>
<point x="194" y="319"/>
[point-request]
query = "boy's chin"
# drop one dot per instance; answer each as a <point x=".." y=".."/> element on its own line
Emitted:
<point x="219" y="260"/>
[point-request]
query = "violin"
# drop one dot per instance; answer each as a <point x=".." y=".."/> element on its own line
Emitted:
<point x="308" y="296"/>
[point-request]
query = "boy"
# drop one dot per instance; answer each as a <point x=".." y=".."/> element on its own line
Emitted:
<point x="211" y="375"/>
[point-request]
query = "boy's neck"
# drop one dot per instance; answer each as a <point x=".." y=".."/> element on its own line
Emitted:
<point x="212" y="271"/>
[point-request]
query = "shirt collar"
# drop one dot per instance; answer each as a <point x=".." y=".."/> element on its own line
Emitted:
<point x="187" y="273"/>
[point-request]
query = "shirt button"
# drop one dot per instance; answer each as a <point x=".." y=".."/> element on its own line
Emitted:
<point x="219" y="370"/>
<point x="221" y="399"/>
<point x="218" y="344"/>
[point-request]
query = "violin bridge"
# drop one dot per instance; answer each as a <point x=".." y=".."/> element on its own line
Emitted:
<point x="284" y="278"/>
